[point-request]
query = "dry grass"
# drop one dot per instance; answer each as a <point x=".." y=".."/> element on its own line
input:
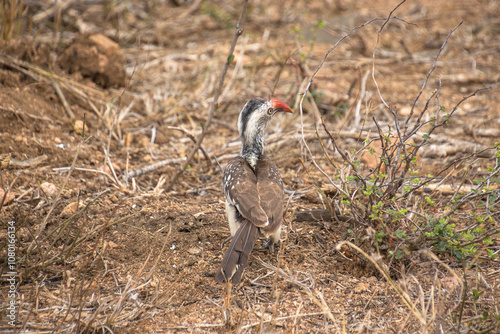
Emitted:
<point x="11" y="16"/>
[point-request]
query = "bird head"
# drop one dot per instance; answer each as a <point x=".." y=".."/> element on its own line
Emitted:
<point x="252" y="123"/>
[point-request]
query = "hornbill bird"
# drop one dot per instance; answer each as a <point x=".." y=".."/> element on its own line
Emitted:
<point x="253" y="188"/>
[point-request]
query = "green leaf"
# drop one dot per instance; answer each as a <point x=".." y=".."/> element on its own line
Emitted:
<point x="491" y="254"/>
<point x="475" y="294"/>
<point x="487" y="241"/>
<point x="400" y="234"/>
<point x="230" y="58"/>
<point x="320" y="24"/>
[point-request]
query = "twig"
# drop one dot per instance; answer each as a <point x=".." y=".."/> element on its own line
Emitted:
<point x="295" y="316"/>
<point x="211" y="112"/>
<point x="59" y="6"/>
<point x="427" y="79"/>
<point x="153" y="167"/>
<point x="375" y="48"/>
<point x="115" y="177"/>
<point x="346" y="159"/>
<point x="21" y="112"/>
<point x="360" y="98"/>
<point x="63" y="99"/>
<point x="63" y="169"/>
<point x="28" y="163"/>
<point x="193" y="138"/>
<point x="308" y="85"/>
<point x="396" y="123"/>
<point x="9" y="187"/>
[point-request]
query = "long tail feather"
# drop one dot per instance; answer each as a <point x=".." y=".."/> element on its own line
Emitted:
<point x="236" y="258"/>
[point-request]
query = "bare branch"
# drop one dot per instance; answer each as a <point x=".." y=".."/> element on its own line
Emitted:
<point x="428" y="76"/>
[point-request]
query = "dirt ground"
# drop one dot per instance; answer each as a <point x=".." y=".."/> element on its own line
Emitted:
<point x="92" y="92"/>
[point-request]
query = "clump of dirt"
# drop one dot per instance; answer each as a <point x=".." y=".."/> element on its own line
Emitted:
<point x="97" y="57"/>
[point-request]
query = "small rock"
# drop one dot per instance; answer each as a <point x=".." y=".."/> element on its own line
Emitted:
<point x="49" y="189"/>
<point x="449" y="283"/>
<point x="361" y="287"/>
<point x="194" y="251"/>
<point x="112" y="244"/>
<point x="70" y="209"/>
<point x="80" y="127"/>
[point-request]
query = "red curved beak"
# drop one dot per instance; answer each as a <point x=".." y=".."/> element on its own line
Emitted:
<point x="280" y="106"/>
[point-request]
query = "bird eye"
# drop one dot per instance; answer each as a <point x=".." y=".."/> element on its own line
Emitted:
<point x="270" y="111"/>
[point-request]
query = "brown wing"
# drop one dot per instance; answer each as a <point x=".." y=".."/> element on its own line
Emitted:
<point x="258" y="197"/>
<point x="240" y="187"/>
<point x="270" y="188"/>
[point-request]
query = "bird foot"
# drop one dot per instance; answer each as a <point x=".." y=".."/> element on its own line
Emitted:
<point x="268" y="244"/>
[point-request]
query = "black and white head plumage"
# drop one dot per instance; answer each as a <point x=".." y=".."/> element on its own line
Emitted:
<point x="252" y="124"/>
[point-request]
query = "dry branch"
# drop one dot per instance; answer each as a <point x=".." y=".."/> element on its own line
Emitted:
<point x="28" y="163"/>
<point x="192" y="137"/>
<point x="58" y="7"/>
<point x="153" y="167"/>
<point x="21" y="112"/>
<point x="64" y="102"/>
<point x="309" y="83"/>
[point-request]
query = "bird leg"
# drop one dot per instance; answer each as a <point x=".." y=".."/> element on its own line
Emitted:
<point x="269" y="244"/>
